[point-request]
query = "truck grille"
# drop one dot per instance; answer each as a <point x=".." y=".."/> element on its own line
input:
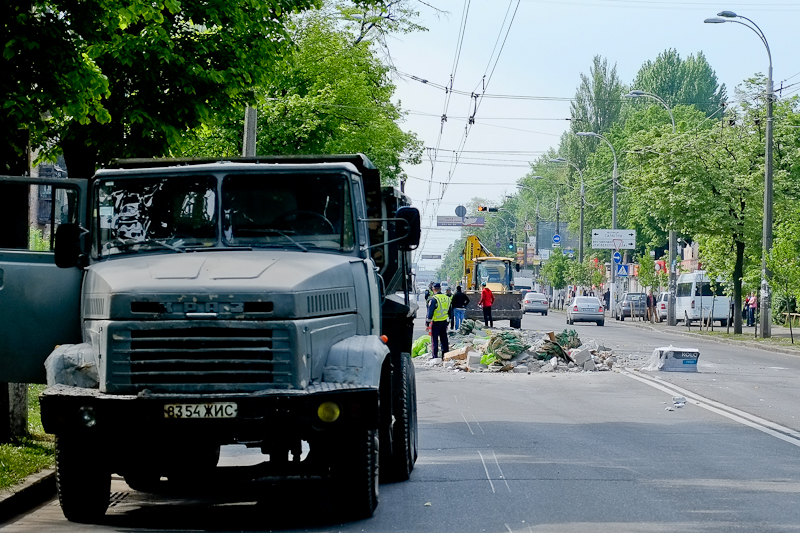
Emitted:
<point x="198" y="359"/>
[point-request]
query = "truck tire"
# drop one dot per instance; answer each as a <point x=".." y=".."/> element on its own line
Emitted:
<point x="82" y="480"/>
<point x="354" y="475"/>
<point x="516" y="323"/>
<point x="399" y="465"/>
<point x="723" y="323"/>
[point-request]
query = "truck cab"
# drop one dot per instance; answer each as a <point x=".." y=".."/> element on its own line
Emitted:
<point x="174" y="307"/>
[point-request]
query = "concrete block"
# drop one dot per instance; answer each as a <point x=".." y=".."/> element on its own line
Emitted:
<point x="520" y="369"/>
<point x="460" y="353"/>
<point x="547" y="368"/>
<point x="581" y="356"/>
<point x="589" y="365"/>
<point x="473" y="358"/>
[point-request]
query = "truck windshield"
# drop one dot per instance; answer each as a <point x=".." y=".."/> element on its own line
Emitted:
<point x="288" y="211"/>
<point x="141" y="214"/>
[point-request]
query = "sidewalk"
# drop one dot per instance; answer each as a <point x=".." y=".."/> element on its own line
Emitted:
<point x="27" y="494"/>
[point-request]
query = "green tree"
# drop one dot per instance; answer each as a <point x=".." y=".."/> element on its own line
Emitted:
<point x="689" y="81"/>
<point x="147" y="71"/>
<point x="328" y="96"/>
<point x="647" y="270"/>
<point x="556" y="271"/>
<point x="579" y="273"/>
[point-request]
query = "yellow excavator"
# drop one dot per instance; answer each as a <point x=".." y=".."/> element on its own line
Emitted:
<point x="481" y="266"/>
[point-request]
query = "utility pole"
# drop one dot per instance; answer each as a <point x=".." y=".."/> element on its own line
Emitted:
<point x="673" y="245"/>
<point x="249" y="141"/>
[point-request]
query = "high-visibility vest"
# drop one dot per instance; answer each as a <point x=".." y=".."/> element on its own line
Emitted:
<point x="442" y="308"/>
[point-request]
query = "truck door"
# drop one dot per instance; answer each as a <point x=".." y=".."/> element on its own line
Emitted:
<point x="39" y="302"/>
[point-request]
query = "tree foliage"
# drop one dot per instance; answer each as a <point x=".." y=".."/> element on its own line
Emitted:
<point x="689" y="81"/>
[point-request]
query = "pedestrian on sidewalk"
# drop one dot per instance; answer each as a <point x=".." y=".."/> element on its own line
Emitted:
<point x="651" y="306"/>
<point x="459" y="302"/>
<point x="437" y="318"/>
<point x="752" y="305"/>
<point x="607" y="299"/>
<point x="487" y="299"/>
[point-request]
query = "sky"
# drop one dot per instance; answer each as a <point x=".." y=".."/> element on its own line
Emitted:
<point x="549" y="44"/>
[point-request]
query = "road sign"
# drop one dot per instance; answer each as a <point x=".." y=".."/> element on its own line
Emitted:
<point x="431" y="256"/>
<point x="458" y="221"/>
<point x="556" y="244"/>
<point x="617" y="257"/>
<point x="461" y="211"/>
<point x="613" y="239"/>
<point x="570" y="253"/>
<point x="622" y="271"/>
<point x="556" y="238"/>
<point x="528" y="226"/>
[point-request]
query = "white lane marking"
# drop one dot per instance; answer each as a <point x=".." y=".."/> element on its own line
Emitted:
<point x="502" y="475"/>
<point x="479" y="424"/>
<point x="465" y="420"/>
<point x="456" y="397"/>
<point x="508" y="528"/>
<point x="487" y="471"/>
<point x="765" y="426"/>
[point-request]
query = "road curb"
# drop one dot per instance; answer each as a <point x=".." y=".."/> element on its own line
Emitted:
<point x="27" y="494"/>
<point x="730" y="342"/>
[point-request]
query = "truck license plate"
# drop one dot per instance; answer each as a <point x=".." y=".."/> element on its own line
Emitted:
<point x="201" y="410"/>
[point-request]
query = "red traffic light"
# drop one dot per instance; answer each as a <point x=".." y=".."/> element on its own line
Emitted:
<point x="490" y="209"/>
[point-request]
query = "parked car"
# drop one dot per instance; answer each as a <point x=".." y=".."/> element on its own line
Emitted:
<point x="661" y="306"/>
<point x="586" y="309"/>
<point x="535" y="302"/>
<point x="633" y="304"/>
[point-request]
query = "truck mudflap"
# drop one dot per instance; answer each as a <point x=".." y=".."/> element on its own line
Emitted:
<point x="226" y="418"/>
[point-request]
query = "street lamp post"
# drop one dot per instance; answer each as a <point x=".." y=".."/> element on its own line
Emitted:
<point x="671" y="321"/>
<point x="766" y="318"/>
<point x="613" y="209"/>
<point x="583" y="203"/>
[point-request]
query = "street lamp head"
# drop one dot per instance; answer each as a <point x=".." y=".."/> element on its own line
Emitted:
<point x="727" y="14"/>
<point x="714" y="20"/>
<point x="586" y="134"/>
<point x="634" y="93"/>
<point x="558" y="160"/>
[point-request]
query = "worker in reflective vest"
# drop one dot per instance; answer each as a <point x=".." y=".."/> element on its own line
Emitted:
<point x="437" y="318"/>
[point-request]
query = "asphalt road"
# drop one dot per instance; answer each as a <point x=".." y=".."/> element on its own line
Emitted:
<point x="552" y="452"/>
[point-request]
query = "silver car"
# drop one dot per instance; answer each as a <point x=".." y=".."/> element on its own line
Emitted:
<point x="586" y="309"/>
<point x="662" y="304"/>
<point x="535" y="302"/>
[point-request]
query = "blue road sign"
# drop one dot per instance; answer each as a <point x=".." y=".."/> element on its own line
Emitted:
<point x="556" y="238"/>
<point x="622" y="271"/>
<point x="617" y="257"/>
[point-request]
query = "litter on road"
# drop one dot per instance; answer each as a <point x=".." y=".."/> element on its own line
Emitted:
<point x="476" y="348"/>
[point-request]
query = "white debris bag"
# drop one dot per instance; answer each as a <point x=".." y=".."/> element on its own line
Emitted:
<point x="74" y="365"/>
<point x="672" y="359"/>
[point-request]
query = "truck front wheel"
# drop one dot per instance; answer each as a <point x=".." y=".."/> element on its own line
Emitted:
<point x="82" y="479"/>
<point x="516" y="323"/>
<point x="355" y="475"/>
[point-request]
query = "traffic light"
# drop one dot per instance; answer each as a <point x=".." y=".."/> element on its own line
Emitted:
<point x="483" y="208"/>
<point x="510" y="245"/>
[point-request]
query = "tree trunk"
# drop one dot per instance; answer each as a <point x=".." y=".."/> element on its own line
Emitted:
<point x="738" y="268"/>
<point x="79" y="155"/>
<point x="13" y="411"/>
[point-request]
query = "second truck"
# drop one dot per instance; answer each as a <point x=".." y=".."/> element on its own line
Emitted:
<point x="481" y="266"/>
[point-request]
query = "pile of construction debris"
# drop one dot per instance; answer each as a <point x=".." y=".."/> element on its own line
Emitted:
<point x="475" y="348"/>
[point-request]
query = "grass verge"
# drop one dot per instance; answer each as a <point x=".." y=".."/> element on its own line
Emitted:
<point x="29" y="454"/>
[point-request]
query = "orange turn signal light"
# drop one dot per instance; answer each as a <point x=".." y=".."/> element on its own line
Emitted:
<point x="385" y="339"/>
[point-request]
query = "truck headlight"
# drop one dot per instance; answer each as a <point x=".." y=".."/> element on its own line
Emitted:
<point x="329" y="412"/>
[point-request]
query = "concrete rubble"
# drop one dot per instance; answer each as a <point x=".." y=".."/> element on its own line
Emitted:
<point x="503" y="349"/>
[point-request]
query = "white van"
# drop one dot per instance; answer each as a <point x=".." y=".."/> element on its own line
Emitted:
<point x="523" y="284"/>
<point x="696" y="299"/>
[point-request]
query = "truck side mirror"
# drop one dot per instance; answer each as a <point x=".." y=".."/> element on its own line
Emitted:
<point x="411" y="216"/>
<point x="69" y="245"/>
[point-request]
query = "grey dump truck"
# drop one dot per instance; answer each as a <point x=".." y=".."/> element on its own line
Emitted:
<point x="174" y="307"/>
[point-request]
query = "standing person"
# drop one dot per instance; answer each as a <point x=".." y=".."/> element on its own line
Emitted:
<point x="752" y="305"/>
<point x="607" y="298"/>
<point x="460" y="302"/>
<point x="651" y="306"/>
<point x="437" y="318"/>
<point x="429" y="292"/>
<point x="449" y="294"/>
<point x="487" y="299"/>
